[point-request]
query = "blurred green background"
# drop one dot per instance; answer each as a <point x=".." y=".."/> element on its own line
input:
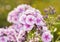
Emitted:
<point x="52" y="21"/>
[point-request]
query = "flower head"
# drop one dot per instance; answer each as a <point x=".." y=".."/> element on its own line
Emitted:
<point x="12" y="17"/>
<point x="22" y="19"/>
<point x="3" y="39"/>
<point x="27" y="27"/>
<point x="30" y="19"/>
<point x="47" y="37"/>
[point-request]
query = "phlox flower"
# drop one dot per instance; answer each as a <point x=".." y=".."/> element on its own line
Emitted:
<point x="16" y="27"/>
<point x="3" y="39"/>
<point x="7" y="35"/>
<point x="1" y="31"/>
<point x="23" y="8"/>
<point x="12" y="17"/>
<point x="30" y="11"/>
<point x="30" y="20"/>
<point x="27" y="27"/>
<point x="22" y="19"/>
<point x="47" y="37"/>
<point x="10" y="34"/>
<point x="37" y="13"/>
<point x="39" y="21"/>
<point x="20" y="37"/>
<point x="12" y="38"/>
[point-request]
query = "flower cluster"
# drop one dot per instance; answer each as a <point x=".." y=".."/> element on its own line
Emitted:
<point x="23" y="19"/>
<point x="25" y="15"/>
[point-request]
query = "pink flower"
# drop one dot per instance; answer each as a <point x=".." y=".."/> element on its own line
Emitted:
<point x="39" y="21"/>
<point x="16" y="27"/>
<point x="3" y="39"/>
<point x="12" y="17"/>
<point x="20" y="9"/>
<point x="11" y="34"/>
<point x="8" y="35"/>
<point x="30" y="11"/>
<point x="27" y="27"/>
<point x="22" y="19"/>
<point x="1" y="31"/>
<point x="30" y="20"/>
<point x="23" y="8"/>
<point x="20" y="36"/>
<point x="46" y="37"/>
<point x="37" y="13"/>
<point x="15" y="19"/>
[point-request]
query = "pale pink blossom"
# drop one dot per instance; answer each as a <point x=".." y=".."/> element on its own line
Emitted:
<point x="11" y="34"/>
<point x="22" y="19"/>
<point x="27" y="27"/>
<point x="47" y="37"/>
<point x="20" y="36"/>
<point x="30" y="20"/>
<point x="1" y="31"/>
<point x="3" y="39"/>
<point x="23" y="8"/>
<point x="12" y="17"/>
<point x="16" y="27"/>
<point x="39" y="21"/>
<point x="30" y="11"/>
<point x="8" y="34"/>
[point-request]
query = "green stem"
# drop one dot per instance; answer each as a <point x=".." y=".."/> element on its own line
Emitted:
<point x="57" y="38"/>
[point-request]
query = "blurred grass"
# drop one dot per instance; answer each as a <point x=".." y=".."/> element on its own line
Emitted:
<point x="7" y="5"/>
